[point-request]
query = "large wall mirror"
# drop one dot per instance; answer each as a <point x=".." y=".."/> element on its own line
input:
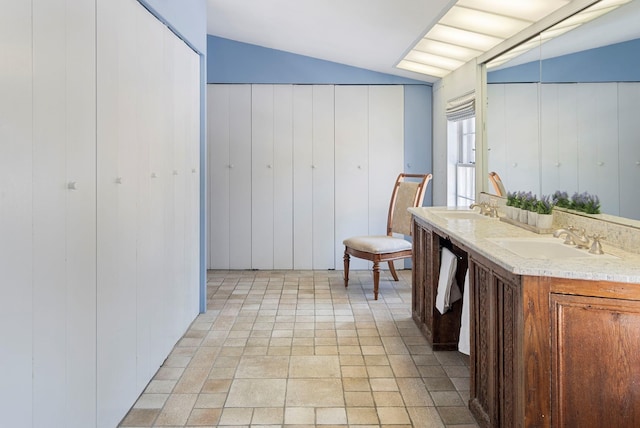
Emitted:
<point x="564" y="113"/>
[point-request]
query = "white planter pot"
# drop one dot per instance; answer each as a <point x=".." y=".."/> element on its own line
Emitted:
<point x="531" y="218"/>
<point x="523" y="216"/>
<point x="545" y="221"/>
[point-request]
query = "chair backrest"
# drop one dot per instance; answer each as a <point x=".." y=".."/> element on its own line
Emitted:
<point x="498" y="186"/>
<point x="406" y="194"/>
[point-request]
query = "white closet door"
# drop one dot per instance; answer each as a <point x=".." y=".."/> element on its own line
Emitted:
<point x="323" y="186"/>
<point x="64" y="230"/>
<point x="303" y="177"/>
<point x="558" y="138"/>
<point x="351" y="168"/>
<point x="117" y="194"/>
<point x="629" y="139"/>
<point x="496" y="132"/>
<point x="523" y="168"/>
<point x="16" y="207"/>
<point x="229" y="171"/>
<point x="598" y="143"/>
<point x="283" y="177"/>
<point x="386" y="151"/>
<point x="219" y="168"/>
<point x="240" y="177"/>
<point x="262" y="190"/>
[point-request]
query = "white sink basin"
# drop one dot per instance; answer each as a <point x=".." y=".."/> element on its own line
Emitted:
<point x="544" y="248"/>
<point x="460" y="214"/>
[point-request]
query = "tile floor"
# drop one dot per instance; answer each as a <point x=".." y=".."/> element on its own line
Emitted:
<point x="295" y="348"/>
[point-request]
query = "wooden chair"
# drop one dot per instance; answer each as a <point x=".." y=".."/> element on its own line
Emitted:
<point x="497" y="184"/>
<point x="387" y="248"/>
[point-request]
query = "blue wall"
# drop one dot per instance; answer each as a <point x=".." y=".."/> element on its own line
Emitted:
<point x="229" y="61"/>
<point x="187" y="18"/>
<point x="614" y="63"/>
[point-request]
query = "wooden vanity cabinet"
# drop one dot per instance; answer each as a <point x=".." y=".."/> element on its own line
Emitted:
<point x="441" y="330"/>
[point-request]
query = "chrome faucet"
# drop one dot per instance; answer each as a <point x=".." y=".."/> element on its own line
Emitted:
<point x="484" y="207"/>
<point x="573" y="236"/>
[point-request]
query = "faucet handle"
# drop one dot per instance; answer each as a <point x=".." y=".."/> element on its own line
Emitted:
<point x="596" y="247"/>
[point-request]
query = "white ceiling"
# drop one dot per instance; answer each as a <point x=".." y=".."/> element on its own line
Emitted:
<point x="370" y="34"/>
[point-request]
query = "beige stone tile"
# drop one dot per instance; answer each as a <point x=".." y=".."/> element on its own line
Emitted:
<point x="192" y="380"/>
<point x="376" y="360"/>
<point x="314" y="367"/>
<point x="358" y="399"/>
<point x="331" y="416"/>
<point x="362" y="416"/>
<point x="263" y="367"/>
<point x="151" y="401"/>
<point x="204" y="417"/>
<point x="232" y="416"/>
<point x="314" y="392"/>
<point x="216" y="385"/>
<point x="414" y="392"/>
<point x="356" y="384"/>
<point x="379" y="371"/>
<point x="176" y="410"/>
<point x="446" y="398"/>
<point x="384" y="384"/>
<point x="160" y="386"/>
<point x="268" y="416"/>
<point x="351" y="360"/>
<point x="326" y="350"/>
<point x="140" y="418"/>
<point x="257" y="393"/>
<point x="457" y="415"/>
<point x="299" y="415"/>
<point x="210" y="401"/>
<point x="425" y="417"/>
<point x="393" y="415"/>
<point x="354" y="371"/>
<point x="372" y="350"/>
<point x="388" y="399"/>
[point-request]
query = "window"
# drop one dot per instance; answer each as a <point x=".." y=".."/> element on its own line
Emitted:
<point x="463" y="142"/>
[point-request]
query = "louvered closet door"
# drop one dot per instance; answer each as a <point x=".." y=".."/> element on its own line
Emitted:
<point x="16" y="213"/>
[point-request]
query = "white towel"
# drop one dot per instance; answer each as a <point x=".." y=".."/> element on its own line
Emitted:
<point x="464" y="343"/>
<point x="448" y="291"/>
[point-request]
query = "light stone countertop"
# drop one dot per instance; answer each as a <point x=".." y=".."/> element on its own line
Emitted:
<point x="476" y="234"/>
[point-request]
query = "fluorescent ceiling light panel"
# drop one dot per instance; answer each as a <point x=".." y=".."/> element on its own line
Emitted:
<point x="446" y="49"/>
<point x="460" y="37"/>
<point x="435" y="60"/>
<point x="423" y="68"/>
<point x="483" y="22"/>
<point x="527" y="10"/>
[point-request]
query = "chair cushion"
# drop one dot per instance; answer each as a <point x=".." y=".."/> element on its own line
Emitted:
<point x="377" y="244"/>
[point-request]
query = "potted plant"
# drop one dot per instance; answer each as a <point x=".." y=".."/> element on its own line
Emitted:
<point x="525" y="197"/>
<point x="532" y="207"/>
<point x="561" y="199"/>
<point x="545" y="212"/>
<point x="591" y="204"/>
<point x="511" y="201"/>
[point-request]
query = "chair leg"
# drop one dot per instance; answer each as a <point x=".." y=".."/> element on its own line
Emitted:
<point x="376" y="279"/>
<point x="346" y="268"/>
<point x="393" y="270"/>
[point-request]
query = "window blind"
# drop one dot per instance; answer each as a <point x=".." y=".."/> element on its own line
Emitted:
<point x="462" y="107"/>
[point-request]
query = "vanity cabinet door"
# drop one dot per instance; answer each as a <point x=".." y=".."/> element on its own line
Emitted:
<point x="496" y="314"/>
<point x="595" y="361"/>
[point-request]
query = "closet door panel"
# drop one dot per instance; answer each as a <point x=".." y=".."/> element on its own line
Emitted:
<point x="218" y="129"/>
<point x="117" y="197"/>
<point x="386" y="151"/>
<point x="496" y="132"/>
<point x="283" y="177"/>
<point x="323" y="178"/>
<point x="240" y="177"/>
<point x="559" y="138"/>
<point x="64" y="232"/>
<point x="303" y="177"/>
<point x="598" y="142"/>
<point x="262" y="189"/>
<point x="351" y="167"/>
<point x="521" y="104"/>
<point x="629" y="139"/>
<point x="16" y="207"/>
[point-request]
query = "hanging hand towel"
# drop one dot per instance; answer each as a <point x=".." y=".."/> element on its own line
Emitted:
<point x="464" y="343"/>
<point x="448" y="291"/>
